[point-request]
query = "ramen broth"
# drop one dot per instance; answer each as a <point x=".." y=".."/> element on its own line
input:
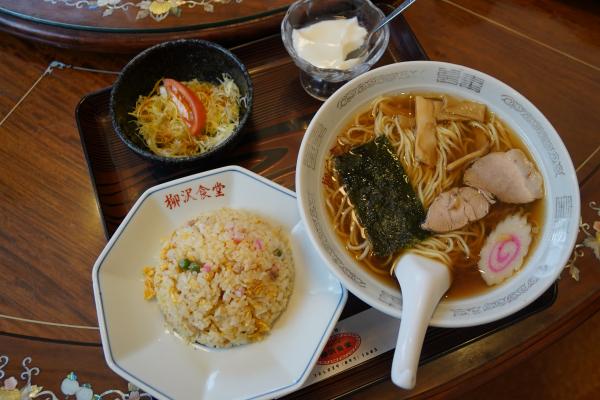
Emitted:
<point x="466" y="278"/>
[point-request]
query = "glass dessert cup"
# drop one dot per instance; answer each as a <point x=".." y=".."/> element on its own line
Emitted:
<point x="320" y="83"/>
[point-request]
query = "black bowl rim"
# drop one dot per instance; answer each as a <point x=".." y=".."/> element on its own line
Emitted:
<point x="185" y="159"/>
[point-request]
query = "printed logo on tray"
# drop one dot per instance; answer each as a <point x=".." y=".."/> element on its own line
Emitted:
<point x="339" y="347"/>
<point x="199" y="192"/>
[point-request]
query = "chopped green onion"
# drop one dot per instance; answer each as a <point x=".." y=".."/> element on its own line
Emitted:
<point x="184" y="264"/>
<point x="194" y="267"/>
<point x="278" y="252"/>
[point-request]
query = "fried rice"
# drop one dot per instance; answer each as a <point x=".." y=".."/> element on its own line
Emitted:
<point x="224" y="278"/>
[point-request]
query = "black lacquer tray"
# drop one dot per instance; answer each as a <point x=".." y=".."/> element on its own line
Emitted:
<point x="282" y="111"/>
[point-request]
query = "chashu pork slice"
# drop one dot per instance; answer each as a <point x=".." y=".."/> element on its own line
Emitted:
<point x="509" y="176"/>
<point x="455" y="208"/>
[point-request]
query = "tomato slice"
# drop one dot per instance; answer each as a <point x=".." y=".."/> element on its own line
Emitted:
<point x="188" y="104"/>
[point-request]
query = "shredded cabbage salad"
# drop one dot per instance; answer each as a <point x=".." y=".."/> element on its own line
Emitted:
<point x="165" y="132"/>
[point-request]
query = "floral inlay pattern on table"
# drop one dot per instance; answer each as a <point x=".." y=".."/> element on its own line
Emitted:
<point x="70" y="387"/>
<point x="156" y="9"/>
<point x="591" y="241"/>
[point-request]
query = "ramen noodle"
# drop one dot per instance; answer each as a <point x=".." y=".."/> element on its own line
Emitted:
<point x="461" y="133"/>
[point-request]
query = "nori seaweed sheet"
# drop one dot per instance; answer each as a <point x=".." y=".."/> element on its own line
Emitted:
<point x="385" y="202"/>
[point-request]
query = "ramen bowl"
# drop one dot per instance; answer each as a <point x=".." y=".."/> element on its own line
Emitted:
<point x="559" y="221"/>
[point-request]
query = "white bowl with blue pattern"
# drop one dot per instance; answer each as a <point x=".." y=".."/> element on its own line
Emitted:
<point x="561" y="220"/>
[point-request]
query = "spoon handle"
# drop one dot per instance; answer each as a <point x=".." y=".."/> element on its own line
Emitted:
<point x="422" y="282"/>
<point x="393" y="14"/>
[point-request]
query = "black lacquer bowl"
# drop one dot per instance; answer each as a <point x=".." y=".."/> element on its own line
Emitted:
<point x="182" y="60"/>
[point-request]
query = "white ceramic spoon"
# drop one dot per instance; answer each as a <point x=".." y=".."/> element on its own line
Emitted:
<point x="423" y="282"/>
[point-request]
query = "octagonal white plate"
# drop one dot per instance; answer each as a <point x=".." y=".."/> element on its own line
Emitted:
<point x="135" y="341"/>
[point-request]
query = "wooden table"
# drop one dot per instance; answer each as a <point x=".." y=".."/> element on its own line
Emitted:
<point x="131" y="25"/>
<point x="51" y="231"/>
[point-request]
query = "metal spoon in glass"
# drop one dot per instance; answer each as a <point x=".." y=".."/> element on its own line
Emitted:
<point x="360" y="51"/>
